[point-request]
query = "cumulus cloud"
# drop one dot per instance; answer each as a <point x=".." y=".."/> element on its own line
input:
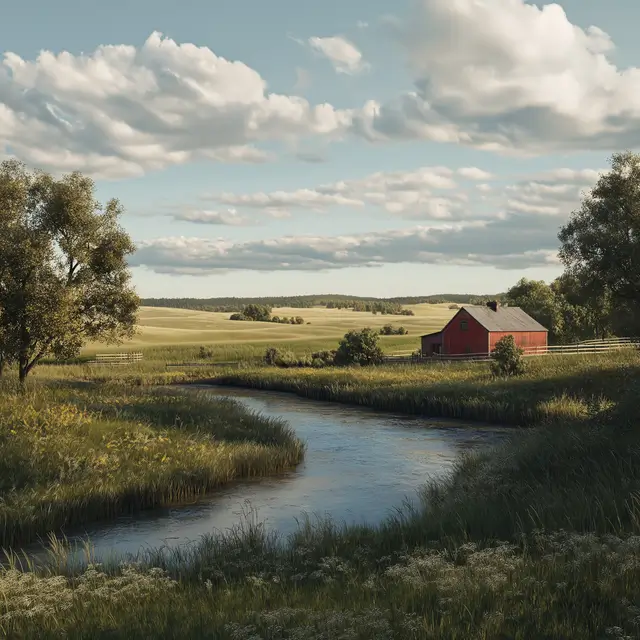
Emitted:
<point x="508" y="76"/>
<point x="230" y="217"/>
<point x="517" y="242"/>
<point x="417" y="194"/>
<point x="343" y="54"/>
<point x="121" y="110"/>
<point x="473" y="173"/>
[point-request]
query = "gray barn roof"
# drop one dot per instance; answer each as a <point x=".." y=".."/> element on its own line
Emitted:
<point x="504" y="319"/>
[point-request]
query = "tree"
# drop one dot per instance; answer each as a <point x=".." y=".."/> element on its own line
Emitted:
<point x="539" y="300"/>
<point x="359" y="347"/>
<point x="602" y="238"/>
<point x="257" y="312"/>
<point x="64" y="278"/>
<point x="506" y="358"/>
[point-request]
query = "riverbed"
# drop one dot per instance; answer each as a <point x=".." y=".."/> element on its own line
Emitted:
<point x="360" y="465"/>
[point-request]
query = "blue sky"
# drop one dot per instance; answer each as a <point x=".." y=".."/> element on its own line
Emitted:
<point x="371" y="148"/>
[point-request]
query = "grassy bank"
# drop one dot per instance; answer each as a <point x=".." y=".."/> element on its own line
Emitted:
<point x="538" y="540"/>
<point x="70" y="455"/>
<point x="562" y="388"/>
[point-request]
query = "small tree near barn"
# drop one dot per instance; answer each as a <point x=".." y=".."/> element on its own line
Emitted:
<point x="359" y="347"/>
<point x="507" y="358"/>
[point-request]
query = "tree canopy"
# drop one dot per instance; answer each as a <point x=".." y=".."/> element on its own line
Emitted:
<point x="601" y="240"/>
<point x="64" y="277"/>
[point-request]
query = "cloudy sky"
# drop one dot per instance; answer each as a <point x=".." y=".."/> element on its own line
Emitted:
<point x="366" y="147"/>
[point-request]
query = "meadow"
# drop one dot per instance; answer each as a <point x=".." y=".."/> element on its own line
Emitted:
<point x="539" y="538"/>
<point x="166" y="333"/>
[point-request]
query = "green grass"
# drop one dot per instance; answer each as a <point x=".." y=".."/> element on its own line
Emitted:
<point x="539" y="538"/>
<point x="554" y="388"/>
<point x="72" y="455"/>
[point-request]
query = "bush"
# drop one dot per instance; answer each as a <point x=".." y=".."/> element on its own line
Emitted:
<point x="238" y="316"/>
<point x="389" y="330"/>
<point x="454" y="306"/>
<point x="204" y="353"/>
<point x="327" y="358"/>
<point x="507" y="358"/>
<point x="299" y="320"/>
<point x="257" y="312"/>
<point x="360" y="348"/>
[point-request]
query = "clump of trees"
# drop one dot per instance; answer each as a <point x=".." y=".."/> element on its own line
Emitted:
<point x="285" y="320"/>
<point x="390" y="330"/>
<point x="507" y="359"/>
<point x="371" y="306"/>
<point x="262" y="313"/>
<point x="64" y="278"/>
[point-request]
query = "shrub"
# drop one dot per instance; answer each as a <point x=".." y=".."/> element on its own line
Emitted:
<point x="507" y="358"/>
<point x="238" y="316"/>
<point x="204" y="353"/>
<point x="271" y="356"/>
<point x="299" y="320"/>
<point x="454" y="306"/>
<point x="257" y="312"/>
<point x="360" y="348"/>
<point x="327" y="358"/>
<point x="389" y="330"/>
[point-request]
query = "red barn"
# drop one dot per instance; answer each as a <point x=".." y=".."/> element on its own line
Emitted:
<point x="476" y="329"/>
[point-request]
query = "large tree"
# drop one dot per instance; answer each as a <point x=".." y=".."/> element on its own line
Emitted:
<point x="64" y="277"/>
<point x="539" y="300"/>
<point x="602" y="238"/>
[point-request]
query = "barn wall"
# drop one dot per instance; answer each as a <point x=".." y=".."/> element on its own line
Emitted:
<point x="428" y="341"/>
<point x="456" y="341"/>
<point x="523" y="339"/>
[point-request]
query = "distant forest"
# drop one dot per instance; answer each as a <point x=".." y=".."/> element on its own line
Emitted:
<point x="236" y="305"/>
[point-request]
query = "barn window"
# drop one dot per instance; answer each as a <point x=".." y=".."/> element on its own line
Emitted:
<point x="464" y="325"/>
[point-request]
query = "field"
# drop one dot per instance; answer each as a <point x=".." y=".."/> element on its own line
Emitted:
<point x="164" y="331"/>
<point x="537" y="539"/>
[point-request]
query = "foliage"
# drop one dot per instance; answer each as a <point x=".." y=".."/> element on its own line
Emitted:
<point x="285" y="359"/>
<point x="238" y="316"/>
<point x="359" y="347"/>
<point x="64" y="277"/>
<point x="390" y="330"/>
<point x="257" y="312"/>
<point x="602" y="238"/>
<point x="285" y="320"/>
<point x="540" y="301"/>
<point x="507" y="358"/>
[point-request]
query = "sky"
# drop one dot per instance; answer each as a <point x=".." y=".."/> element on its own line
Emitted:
<point x="288" y="148"/>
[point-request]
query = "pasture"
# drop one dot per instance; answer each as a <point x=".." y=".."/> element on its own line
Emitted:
<point x="185" y="330"/>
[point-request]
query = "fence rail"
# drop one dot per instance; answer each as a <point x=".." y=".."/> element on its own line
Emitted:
<point x="585" y="347"/>
<point x="116" y="358"/>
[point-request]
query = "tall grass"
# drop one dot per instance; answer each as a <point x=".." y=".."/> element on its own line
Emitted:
<point x="562" y="388"/>
<point x="69" y="456"/>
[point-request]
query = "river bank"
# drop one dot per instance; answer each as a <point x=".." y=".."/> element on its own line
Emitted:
<point x="555" y="389"/>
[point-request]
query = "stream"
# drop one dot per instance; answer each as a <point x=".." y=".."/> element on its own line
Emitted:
<point x="360" y="465"/>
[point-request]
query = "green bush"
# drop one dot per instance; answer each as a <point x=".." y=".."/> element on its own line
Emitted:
<point x="359" y="348"/>
<point x="507" y="358"/>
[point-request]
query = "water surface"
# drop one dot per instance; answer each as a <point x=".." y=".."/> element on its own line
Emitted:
<point x="359" y="466"/>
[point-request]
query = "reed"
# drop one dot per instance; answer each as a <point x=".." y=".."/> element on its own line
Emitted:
<point x="71" y="456"/>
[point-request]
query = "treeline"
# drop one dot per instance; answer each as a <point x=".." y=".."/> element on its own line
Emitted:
<point x="236" y="305"/>
<point x="378" y="306"/>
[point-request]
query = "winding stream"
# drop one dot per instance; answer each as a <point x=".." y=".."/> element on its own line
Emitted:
<point x="359" y="466"/>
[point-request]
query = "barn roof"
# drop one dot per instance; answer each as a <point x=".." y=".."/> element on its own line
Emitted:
<point x="504" y="319"/>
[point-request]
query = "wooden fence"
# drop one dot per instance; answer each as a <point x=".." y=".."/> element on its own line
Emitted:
<point x="116" y="358"/>
<point x="582" y="348"/>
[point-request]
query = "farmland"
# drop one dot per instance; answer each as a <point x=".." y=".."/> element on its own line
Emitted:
<point x="165" y="330"/>
<point x="519" y="542"/>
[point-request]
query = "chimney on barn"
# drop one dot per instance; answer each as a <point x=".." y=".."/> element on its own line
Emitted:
<point x="493" y="305"/>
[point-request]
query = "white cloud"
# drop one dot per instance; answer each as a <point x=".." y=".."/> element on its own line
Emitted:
<point x="514" y="227"/>
<point x="473" y="173"/>
<point x="230" y="217"/>
<point x="122" y="111"/>
<point x="361" y="24"/>
<point x="413" y="194"/>
<point x="518" y="242"/>
<point x="343" y="55"/>
<point x="508" y="76"/>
